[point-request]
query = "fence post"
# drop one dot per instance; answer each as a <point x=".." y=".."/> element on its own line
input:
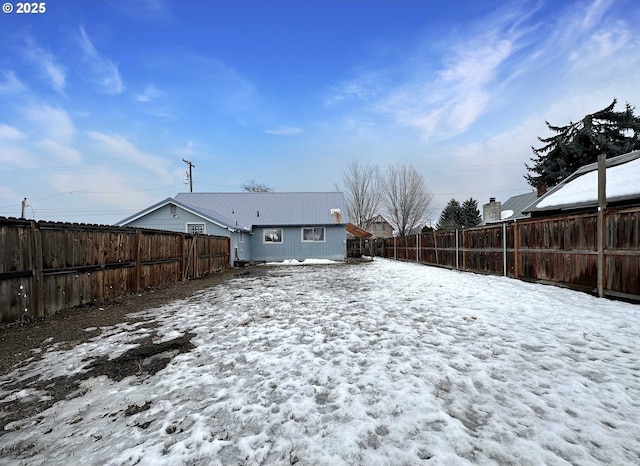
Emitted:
<point x="516" y="249"/>
<point x="435" y="245"/>
<point x="395" y="248"/>
<point x="37" y="284"/>
<point x="417" y="247"/>
<point x="457" y="265"/>
<point x="602" y="205"/>
<point x="137" y="272"/>
<point x="465" y="236"/>
<point x="504" y="248"/>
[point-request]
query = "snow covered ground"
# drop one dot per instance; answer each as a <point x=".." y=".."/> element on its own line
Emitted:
<point x="384" y="363"/>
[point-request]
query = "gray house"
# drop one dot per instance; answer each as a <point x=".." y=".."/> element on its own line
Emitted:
<point x="511" y="209"/>
<point x="262" y="226"/>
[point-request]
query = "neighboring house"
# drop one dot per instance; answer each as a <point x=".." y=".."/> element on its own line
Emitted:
<point x="262" y="226"/>
<point x="579" y="192"/>
<point x="511" y="209"/>
<point x="379" y="227"/>
<point x="354" y="231"/>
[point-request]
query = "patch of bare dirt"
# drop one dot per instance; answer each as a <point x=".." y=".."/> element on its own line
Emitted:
<point x="145" y="359"/>
<point x="22" y="344"/>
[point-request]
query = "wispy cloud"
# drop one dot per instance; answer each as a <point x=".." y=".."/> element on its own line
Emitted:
<point x="153" y="102"/>
<point x="440" y="98"/>
<point x="594" y="14"/>
<point x="366" y="86"/>
<point x="116" y="146"/>
<point x="104" y="70"/>
<point x="59" y="151"/>
<point x="9" y="133"/>
<point x="284" y="131"/>
<point x="11" y="84"/>
<point x="49" y="64"/>
<point x="13" y="150"/>
<point x="191" y="149"/>
<point x="150" y="94"/>
<point x="447" y="102"/>
<point x="50" y="123"/>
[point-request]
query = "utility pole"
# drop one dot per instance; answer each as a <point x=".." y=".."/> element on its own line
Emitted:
<point x="24" y="205"/>
<point x="190" y="174"/>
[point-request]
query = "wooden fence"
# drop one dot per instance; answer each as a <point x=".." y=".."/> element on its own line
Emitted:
<point x="46" y="267"/>
<point x="561" y="250"/>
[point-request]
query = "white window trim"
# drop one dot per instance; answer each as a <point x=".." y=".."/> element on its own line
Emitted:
<point x="324" y="235"/>
<point x="204" y="227"/>
<point x="264" y="234"/>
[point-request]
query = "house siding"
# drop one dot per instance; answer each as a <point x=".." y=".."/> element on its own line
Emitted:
<point x="163" y="219"/>
<point x="241" y="246"/>
<point x="242" y="217"/>
<point x="333" y="248"/>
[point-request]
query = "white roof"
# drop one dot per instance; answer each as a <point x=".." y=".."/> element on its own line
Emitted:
<point x="581" y="188"/>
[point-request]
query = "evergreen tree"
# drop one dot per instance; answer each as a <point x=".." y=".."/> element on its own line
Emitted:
<point x="451" y="216"/>
<point x="577" y="144"/>
<point x="470" y="213"/>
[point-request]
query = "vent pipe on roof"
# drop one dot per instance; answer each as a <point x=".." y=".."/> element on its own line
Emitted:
<point x="257" y="213"/>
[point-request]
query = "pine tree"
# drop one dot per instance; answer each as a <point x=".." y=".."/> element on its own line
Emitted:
<point x="451" y="216"/>
<point x="577" y="144"/>
<point x="470" y="213"/>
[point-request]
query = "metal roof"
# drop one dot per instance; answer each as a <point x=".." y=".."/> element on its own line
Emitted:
<point x="517" y="204"/>
<point x="206" y="214"/>
<point x="272" y="208"/>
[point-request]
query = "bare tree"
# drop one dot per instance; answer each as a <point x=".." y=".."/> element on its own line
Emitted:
<point x="362" y="191"/>
<point x="253" y="186"/>
<point x="407" y="201"/>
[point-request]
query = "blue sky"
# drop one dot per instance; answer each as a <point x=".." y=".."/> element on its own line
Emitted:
<point x="101" y="100"/>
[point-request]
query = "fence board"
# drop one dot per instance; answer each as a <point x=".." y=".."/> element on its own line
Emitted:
<point x="559" y="249"/>
<point x="46" y="267"/>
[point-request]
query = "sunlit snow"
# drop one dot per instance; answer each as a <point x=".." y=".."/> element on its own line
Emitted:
<point x="382" y="363"/>
<point x="622" y="180"/>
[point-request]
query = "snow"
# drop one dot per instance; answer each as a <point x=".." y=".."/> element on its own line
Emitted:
<point x="506" y="214"/>
<point x="377" y="363"/>
<point x="622" y="180"/>
<point x="304" y="262"/>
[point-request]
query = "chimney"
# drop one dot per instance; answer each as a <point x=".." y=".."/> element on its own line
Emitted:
<point x="492" y="211"/>
<point x="542" y="188"/>
<point x="336" y="214"/>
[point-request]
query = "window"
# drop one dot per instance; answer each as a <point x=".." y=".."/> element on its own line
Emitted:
<point x="378" y="227"/>
<point x="272" y="235"/>
<point x="195" y="228"/>
<point x="313" y="234"/>
<point x="173" y="210"/>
